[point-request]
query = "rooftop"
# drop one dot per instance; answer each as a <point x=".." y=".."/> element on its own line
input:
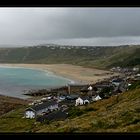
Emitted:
<point x="42" y="106"/>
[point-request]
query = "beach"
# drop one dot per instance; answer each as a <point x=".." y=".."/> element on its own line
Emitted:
<point x="76" y="73"/>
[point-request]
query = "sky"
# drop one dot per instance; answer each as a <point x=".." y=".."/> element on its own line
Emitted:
<point x="70" y="26"/>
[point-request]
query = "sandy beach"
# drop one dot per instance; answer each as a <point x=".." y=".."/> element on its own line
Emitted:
<point x="76" y="73"/>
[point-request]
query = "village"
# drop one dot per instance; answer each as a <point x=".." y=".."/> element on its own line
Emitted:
<point x="55" y="104"/>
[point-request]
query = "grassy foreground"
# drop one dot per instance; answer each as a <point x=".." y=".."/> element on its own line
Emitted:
<point x="117" y="114"/>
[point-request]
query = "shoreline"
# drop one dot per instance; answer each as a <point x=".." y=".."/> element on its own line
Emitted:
<point x="73" y="73"/>
<point x="54" y="74"/>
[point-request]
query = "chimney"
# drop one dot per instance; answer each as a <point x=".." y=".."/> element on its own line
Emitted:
<point x="68" y="88"/>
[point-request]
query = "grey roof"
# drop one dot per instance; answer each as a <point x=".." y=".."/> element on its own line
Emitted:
<point x="117" y="80"/>
<point x="102" y="86"/>
<point x="56" y="115"/>
<point x="72" y="96"/>
<point x="84" y="97"/>
<point x="42" y="106"/>
<point x="67" y="102"/>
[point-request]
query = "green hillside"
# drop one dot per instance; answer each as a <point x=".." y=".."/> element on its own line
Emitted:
<point x="117" y="114"/>
<point x="103" y="57"/>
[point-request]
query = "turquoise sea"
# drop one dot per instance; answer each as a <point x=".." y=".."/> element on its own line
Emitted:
<point x="16" y="81"/>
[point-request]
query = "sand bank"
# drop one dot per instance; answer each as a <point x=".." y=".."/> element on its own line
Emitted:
<point x="76" y="73"/>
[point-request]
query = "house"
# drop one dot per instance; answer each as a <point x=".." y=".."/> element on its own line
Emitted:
<point x="91" y="93"/>
<point x="85" y="99"/>
<point x="82" y="100"/>
<point x="50" y="97"/>
<point x="41" y="108"/>
<point x="137" y="77"/>
<point x="67" y="102"/>
<point x="117" y="81"/>
<point x="72" y="97"/>
<point x="90" y="88"/>
<point x="135" y="69"/>
<point x="79" y="101"/>
<point x="44" y="99"/>
<point x="62" y="97"/>
<point x="100" y="87"/>
<point x="96" y="98"/>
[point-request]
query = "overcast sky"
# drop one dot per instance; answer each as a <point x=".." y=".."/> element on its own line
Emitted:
<point x="72" y="26"/>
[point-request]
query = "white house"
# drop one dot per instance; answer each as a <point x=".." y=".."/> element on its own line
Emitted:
<point x="135" y="69"/>
<point x="86" y="101"/>
<point x="90" y="88"/>
<point x="35" y="110"/>
<point x="129" y="84"/>
<point x="96" y="98"/>
<point x="30" y="113"/>
<point x="49" y="97"/>
<point x="79" y="101"/>
<point x="82" y="100"/>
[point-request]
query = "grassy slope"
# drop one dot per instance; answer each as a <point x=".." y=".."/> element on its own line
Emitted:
<point x="102" y="57"/>
<point x="10" y="103"/>
<point x="122" y="56"/>
<point x="116" y="114"/>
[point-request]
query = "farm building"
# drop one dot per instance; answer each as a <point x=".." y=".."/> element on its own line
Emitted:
<point x="39" y="109"/>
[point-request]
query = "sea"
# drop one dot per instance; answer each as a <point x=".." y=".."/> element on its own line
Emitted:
<point x="16" y="81"/>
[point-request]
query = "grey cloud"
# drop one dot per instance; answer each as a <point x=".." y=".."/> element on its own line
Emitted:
<point x="32" y="25"/>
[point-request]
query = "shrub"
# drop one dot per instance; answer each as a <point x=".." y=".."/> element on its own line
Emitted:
<point x="74" y="112"/>
<point x="90" y="109"/>
<point x="135" y="85"/>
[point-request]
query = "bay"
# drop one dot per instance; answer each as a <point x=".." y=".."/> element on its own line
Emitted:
<point x="15" y="81"/>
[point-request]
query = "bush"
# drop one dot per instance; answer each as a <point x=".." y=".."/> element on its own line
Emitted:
<point x="90" y="109"/>
<point x="74" y="112"/>
<point x="135" y="85"/>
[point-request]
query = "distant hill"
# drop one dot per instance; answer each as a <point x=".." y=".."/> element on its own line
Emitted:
<point x="103" y="57"/>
